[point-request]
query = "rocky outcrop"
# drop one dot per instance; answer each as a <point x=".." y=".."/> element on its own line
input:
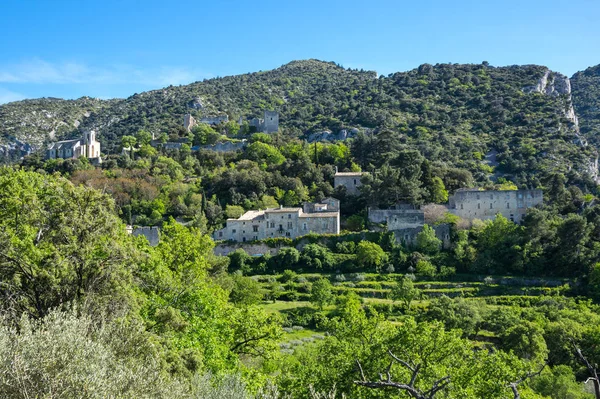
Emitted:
<point x="556" y="84"/>
<point x="551" y="84"/>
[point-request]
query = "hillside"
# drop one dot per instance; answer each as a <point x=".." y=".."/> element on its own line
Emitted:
<point x="586" y="99"/>
<point x="454" y="114"/>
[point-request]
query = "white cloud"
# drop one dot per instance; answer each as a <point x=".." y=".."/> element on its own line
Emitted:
<point x="39" y="71"/>
<point x="7" y="96"/>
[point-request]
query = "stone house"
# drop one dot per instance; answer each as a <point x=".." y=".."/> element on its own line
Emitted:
<point x="473" y="204"/>
<point x="278" y="222"/>
<point x="350" y="180"/>
<point x="86" y="146"/>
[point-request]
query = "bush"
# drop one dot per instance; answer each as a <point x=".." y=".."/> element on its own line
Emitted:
<point x="425" y="268"/>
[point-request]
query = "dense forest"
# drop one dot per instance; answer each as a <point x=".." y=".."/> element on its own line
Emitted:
<point x="496" y="310"/>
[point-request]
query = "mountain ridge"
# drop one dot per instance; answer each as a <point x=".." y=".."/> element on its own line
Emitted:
<point x="525" y="109"/>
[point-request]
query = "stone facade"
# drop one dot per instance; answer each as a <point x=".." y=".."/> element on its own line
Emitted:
<point x="255" y="249"/>
<point x="278" y="222"/>
<point x="215" y="120"/>
<point x="407" y="236"/>
<point x="473" y="204"/>
<point x="350" y="180"/>
<point x="86" y="146"/>
<point x="269" y="124"/>
<point x="328" y="204"/>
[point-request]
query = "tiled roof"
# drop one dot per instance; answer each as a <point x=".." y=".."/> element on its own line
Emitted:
<point x="282" y="210"/>
<point x="349" y="174"/>
<point x="320" y="215"/>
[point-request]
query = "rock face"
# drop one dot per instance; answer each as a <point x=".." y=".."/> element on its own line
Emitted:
<point x="551" y="84"/>
<point x="555" y="84"/>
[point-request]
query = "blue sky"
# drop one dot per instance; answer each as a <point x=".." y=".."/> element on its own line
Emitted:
<point x="115" y="48"/>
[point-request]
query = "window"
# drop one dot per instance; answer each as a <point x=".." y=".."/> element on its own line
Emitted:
<point x="478" y="206"/>
<point x="243" y="239"/>
<point x="272" y="225"/>
<point x="255" y="238"/>
<point x="255" y="229"/>
<point x="491" y="196"/>
<point x="304" y="227"/>
<point x="520" y="195"/>
<point x="220" y="234"/>
<point x="233" y="231"/>
<point x="491" y="206"/>
<point x="289" y="225"/>
<point x="477" y="196"/>
<point x="289" y="216"/>
<point x="355" y="182"/>
<point x="461" y="206"/>
<point x="507" y="205"/>
<point x="243" y="231"/>
<point x="287" y="233"/>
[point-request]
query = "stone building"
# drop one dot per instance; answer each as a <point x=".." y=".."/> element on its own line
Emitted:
<point x="269" y="124"/>
<point x="328" y="204"/>
<point x="86" y="146"/>
<point x="278" y="222"/>
<point x="350" y="180"/>
<point x="473" y="204"/>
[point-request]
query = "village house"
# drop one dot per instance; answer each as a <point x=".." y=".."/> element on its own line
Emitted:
<point x="86" y="146"/>
<point x="471" y="204"/>
<point x="278" y="222"/>
<point x="350" y="180"/>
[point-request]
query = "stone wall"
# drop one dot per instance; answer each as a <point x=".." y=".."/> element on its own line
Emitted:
<point x="349" y="180"/>
<point x="225" y="146"/>
<point x="271" y="122"/>
<point x="512" y="204"/>
<point x="215" y="120"/>
<point x="408" y="236"/>
<point x="224" y="249"/>
<point x="398" y="218"/>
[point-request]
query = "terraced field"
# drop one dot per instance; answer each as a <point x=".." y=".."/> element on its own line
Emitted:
<point x="491" y="292"/>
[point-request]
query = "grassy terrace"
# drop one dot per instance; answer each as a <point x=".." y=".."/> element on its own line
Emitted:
<point x="491" y="291"/>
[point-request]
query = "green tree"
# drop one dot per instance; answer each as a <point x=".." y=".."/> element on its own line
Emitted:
<point x="143" y="137"/>
<point x="245" y="291"/>
<point x="370" y="255"/>
<point x="59" y="243"/>
<point x="320" y="293"/>
<point x="427" y="241"/>
<point x="234" y="211"/>
<point x="405" y="291"/>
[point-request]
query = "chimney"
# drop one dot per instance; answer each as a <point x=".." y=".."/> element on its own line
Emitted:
<point x="336" y="170"/>
<point x="280" y="206"/>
